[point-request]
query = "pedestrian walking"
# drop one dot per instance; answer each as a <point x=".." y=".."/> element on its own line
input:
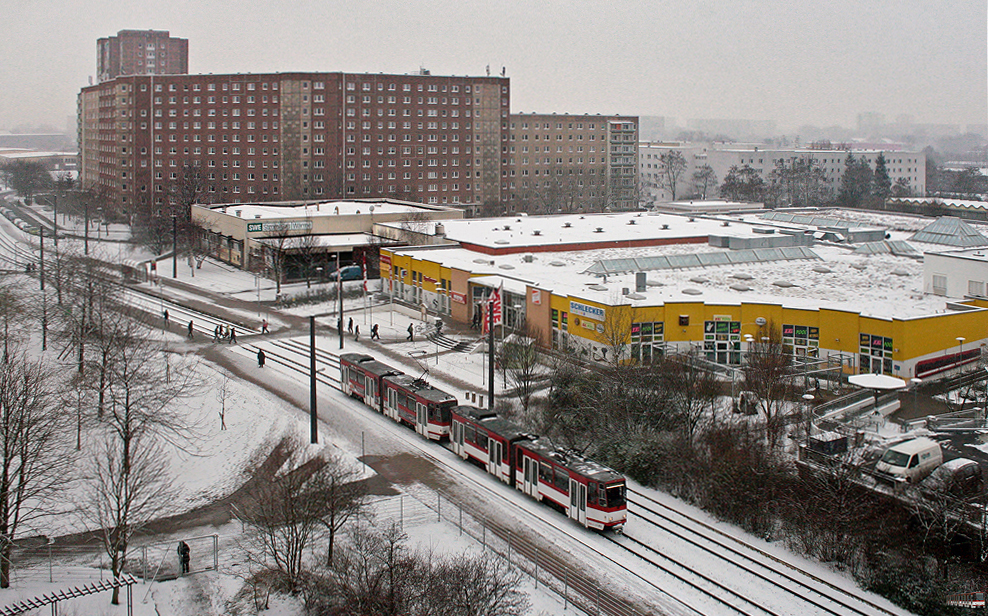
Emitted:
<point x="375" y="335"/>
<point x="233" y="335"/>
<point x="190" y="329"/>
<point x="356" y="333"/>
<point x="349" y="326"/>
<point x="216" y="334"/>
<point x="411" y="333"/>
<point x="339" y="325"/>
<point x="264" y="326"/>
<point x="184" y="556"/>
<point x="166" y="317"/>
<point x="260" y="358"/>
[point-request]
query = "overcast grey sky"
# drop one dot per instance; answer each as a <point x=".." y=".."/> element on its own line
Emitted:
<point x="802" y="62"/>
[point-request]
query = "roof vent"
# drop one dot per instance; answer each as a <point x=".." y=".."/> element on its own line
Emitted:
<point x="567" y="225"/>
<point x="665" y="227"/>
<point x="440" y="229"/>
<point x="692" y="219"/>
<point x="528" y="258"/>
<point x="725" y="224"/>
<point x="536" y="232"/>
<point x="599" y="230"/>
<point x="631" y="222"/>
<point x="239" y="213"/>
<point x="625" y="290"/>
<point x="507" y="227"/>
<point x="256" y="216"/>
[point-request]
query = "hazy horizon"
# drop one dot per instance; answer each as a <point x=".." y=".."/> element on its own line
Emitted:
<point x="793" y="63"/>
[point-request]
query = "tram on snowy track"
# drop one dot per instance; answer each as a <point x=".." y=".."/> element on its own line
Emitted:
<point x="585" y="491"/>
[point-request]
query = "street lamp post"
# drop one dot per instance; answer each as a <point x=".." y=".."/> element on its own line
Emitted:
<point x="807" y="414"/>
<point x="174" y="246"/>
<point x="916" y="381"/>
<point x="960" y="355"/>
<point x="99" y="220"/>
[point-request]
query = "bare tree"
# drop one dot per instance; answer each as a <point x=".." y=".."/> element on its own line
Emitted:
<point x="615" y="339"/>
<point x="478" y="586"/>
<point x="672" y="166"/>
<point x="693" y="388"/>
<point x="128" y="485"/>
<point x="140" y="411"/>
<point x="704" y="180"/>
<point x="283" y="515"/>
<point x="769" y="374"/>
<point x="35" y="459"/>
<point x="520" y="356"/>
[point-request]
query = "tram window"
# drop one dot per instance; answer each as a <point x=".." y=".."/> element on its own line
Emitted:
<point x="615" y="496"/>
<point x="545" y="472"/>
<point x="562" y="480"/>
<point x="471" y="435"/>
<point x="591" y="492"/>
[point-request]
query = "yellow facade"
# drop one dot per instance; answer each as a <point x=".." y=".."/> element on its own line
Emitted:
<point x="896" y="344"/>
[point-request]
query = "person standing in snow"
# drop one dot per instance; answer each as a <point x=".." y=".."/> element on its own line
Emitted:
<point x="411" y="333"/>
<point x="233" y="335"/>
<point x="260" y="358"/>
<point x="190" y="330"/>
<point x="184" y="556"/>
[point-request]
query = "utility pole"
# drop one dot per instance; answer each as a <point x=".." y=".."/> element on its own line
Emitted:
<point x="313" y="420"/>
<point x="490" y="354"/>
<point x="339" y="289"/>
<point x="174" y="246"/>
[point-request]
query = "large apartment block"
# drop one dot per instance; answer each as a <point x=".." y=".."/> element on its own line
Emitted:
<point x="141" y="52"/>
<point x="418" y="137"/>
<point x="568" y="163"/>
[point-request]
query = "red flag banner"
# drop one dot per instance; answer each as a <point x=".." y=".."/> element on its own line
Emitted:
<point x="495" y="301"/>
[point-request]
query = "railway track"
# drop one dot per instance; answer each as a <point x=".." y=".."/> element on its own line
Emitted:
<point x="701" y="536"/>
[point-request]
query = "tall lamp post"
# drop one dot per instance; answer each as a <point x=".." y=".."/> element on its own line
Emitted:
<point x="960" y="355"/>
<point x="916" y="382"/>
<point x="174" y="246"/>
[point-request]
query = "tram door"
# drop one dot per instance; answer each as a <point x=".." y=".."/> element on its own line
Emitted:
<point x="531" y="476"/>
<point x="422" y="419"/>
<point x="578" y="501"/>
<point x="495" y="451"/>
<point x="370" y="396"/>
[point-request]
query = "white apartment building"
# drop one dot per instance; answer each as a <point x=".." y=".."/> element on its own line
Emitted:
<point x="722" y="156"/>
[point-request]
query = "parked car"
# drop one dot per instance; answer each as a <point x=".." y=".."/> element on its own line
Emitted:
<point x="911" y="460"/>
<point x="350" y="272"/>
<point x="959" y="477"/>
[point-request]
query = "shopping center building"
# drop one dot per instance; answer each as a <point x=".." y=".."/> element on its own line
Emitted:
<point x="842" y="288"/>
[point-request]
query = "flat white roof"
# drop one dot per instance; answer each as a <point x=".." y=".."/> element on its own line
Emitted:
<point x="881" y="285"/>
<point x="341" y="240"/>
<point x="507" y="232"/>
<point x="262" y="211"/>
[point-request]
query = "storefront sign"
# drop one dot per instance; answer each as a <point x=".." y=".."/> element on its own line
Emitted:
<point x="589" y="312"/>
<point x="537" y="297"/>
<point x="274" y="227"/>
<point x="459" y="298"/>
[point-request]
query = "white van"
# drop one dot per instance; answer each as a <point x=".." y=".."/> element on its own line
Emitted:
<point x="912" y="460"/>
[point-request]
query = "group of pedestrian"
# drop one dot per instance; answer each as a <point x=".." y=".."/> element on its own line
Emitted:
<point x="225" y="332"/>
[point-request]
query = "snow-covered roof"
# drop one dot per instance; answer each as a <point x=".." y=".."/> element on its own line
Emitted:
<point x="839" y="279"/>
<point x="264" y="211"/>
<point x="344" y="241"/>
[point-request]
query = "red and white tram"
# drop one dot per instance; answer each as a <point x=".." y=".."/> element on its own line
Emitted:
<point x="587" y="492"/>
<point x="414" y="402"/>
<point x="361" y="377"/>
<point x="591" y="494"/>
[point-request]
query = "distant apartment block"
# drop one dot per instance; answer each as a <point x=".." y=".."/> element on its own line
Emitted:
<point x="569" y="163"/>
<point x="910" y="166"/>
<point x="285" y="136"/>
<point x="141" y="52"/>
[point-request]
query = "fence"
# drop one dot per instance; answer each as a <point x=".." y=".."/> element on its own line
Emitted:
<point x="571" y="586"/>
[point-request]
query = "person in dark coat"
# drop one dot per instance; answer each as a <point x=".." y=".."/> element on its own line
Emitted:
<point x="349" y="326"/>
<point x="233" y="335"/>
<point x="260" y="358"/>
<point x="356" y="333"/>
<point x="166" y="317"/>
<point x="190" y="330"/>
<point x="184" y="556"/>
<point x="411" y="333"/>
<point x="375" y="335"/>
